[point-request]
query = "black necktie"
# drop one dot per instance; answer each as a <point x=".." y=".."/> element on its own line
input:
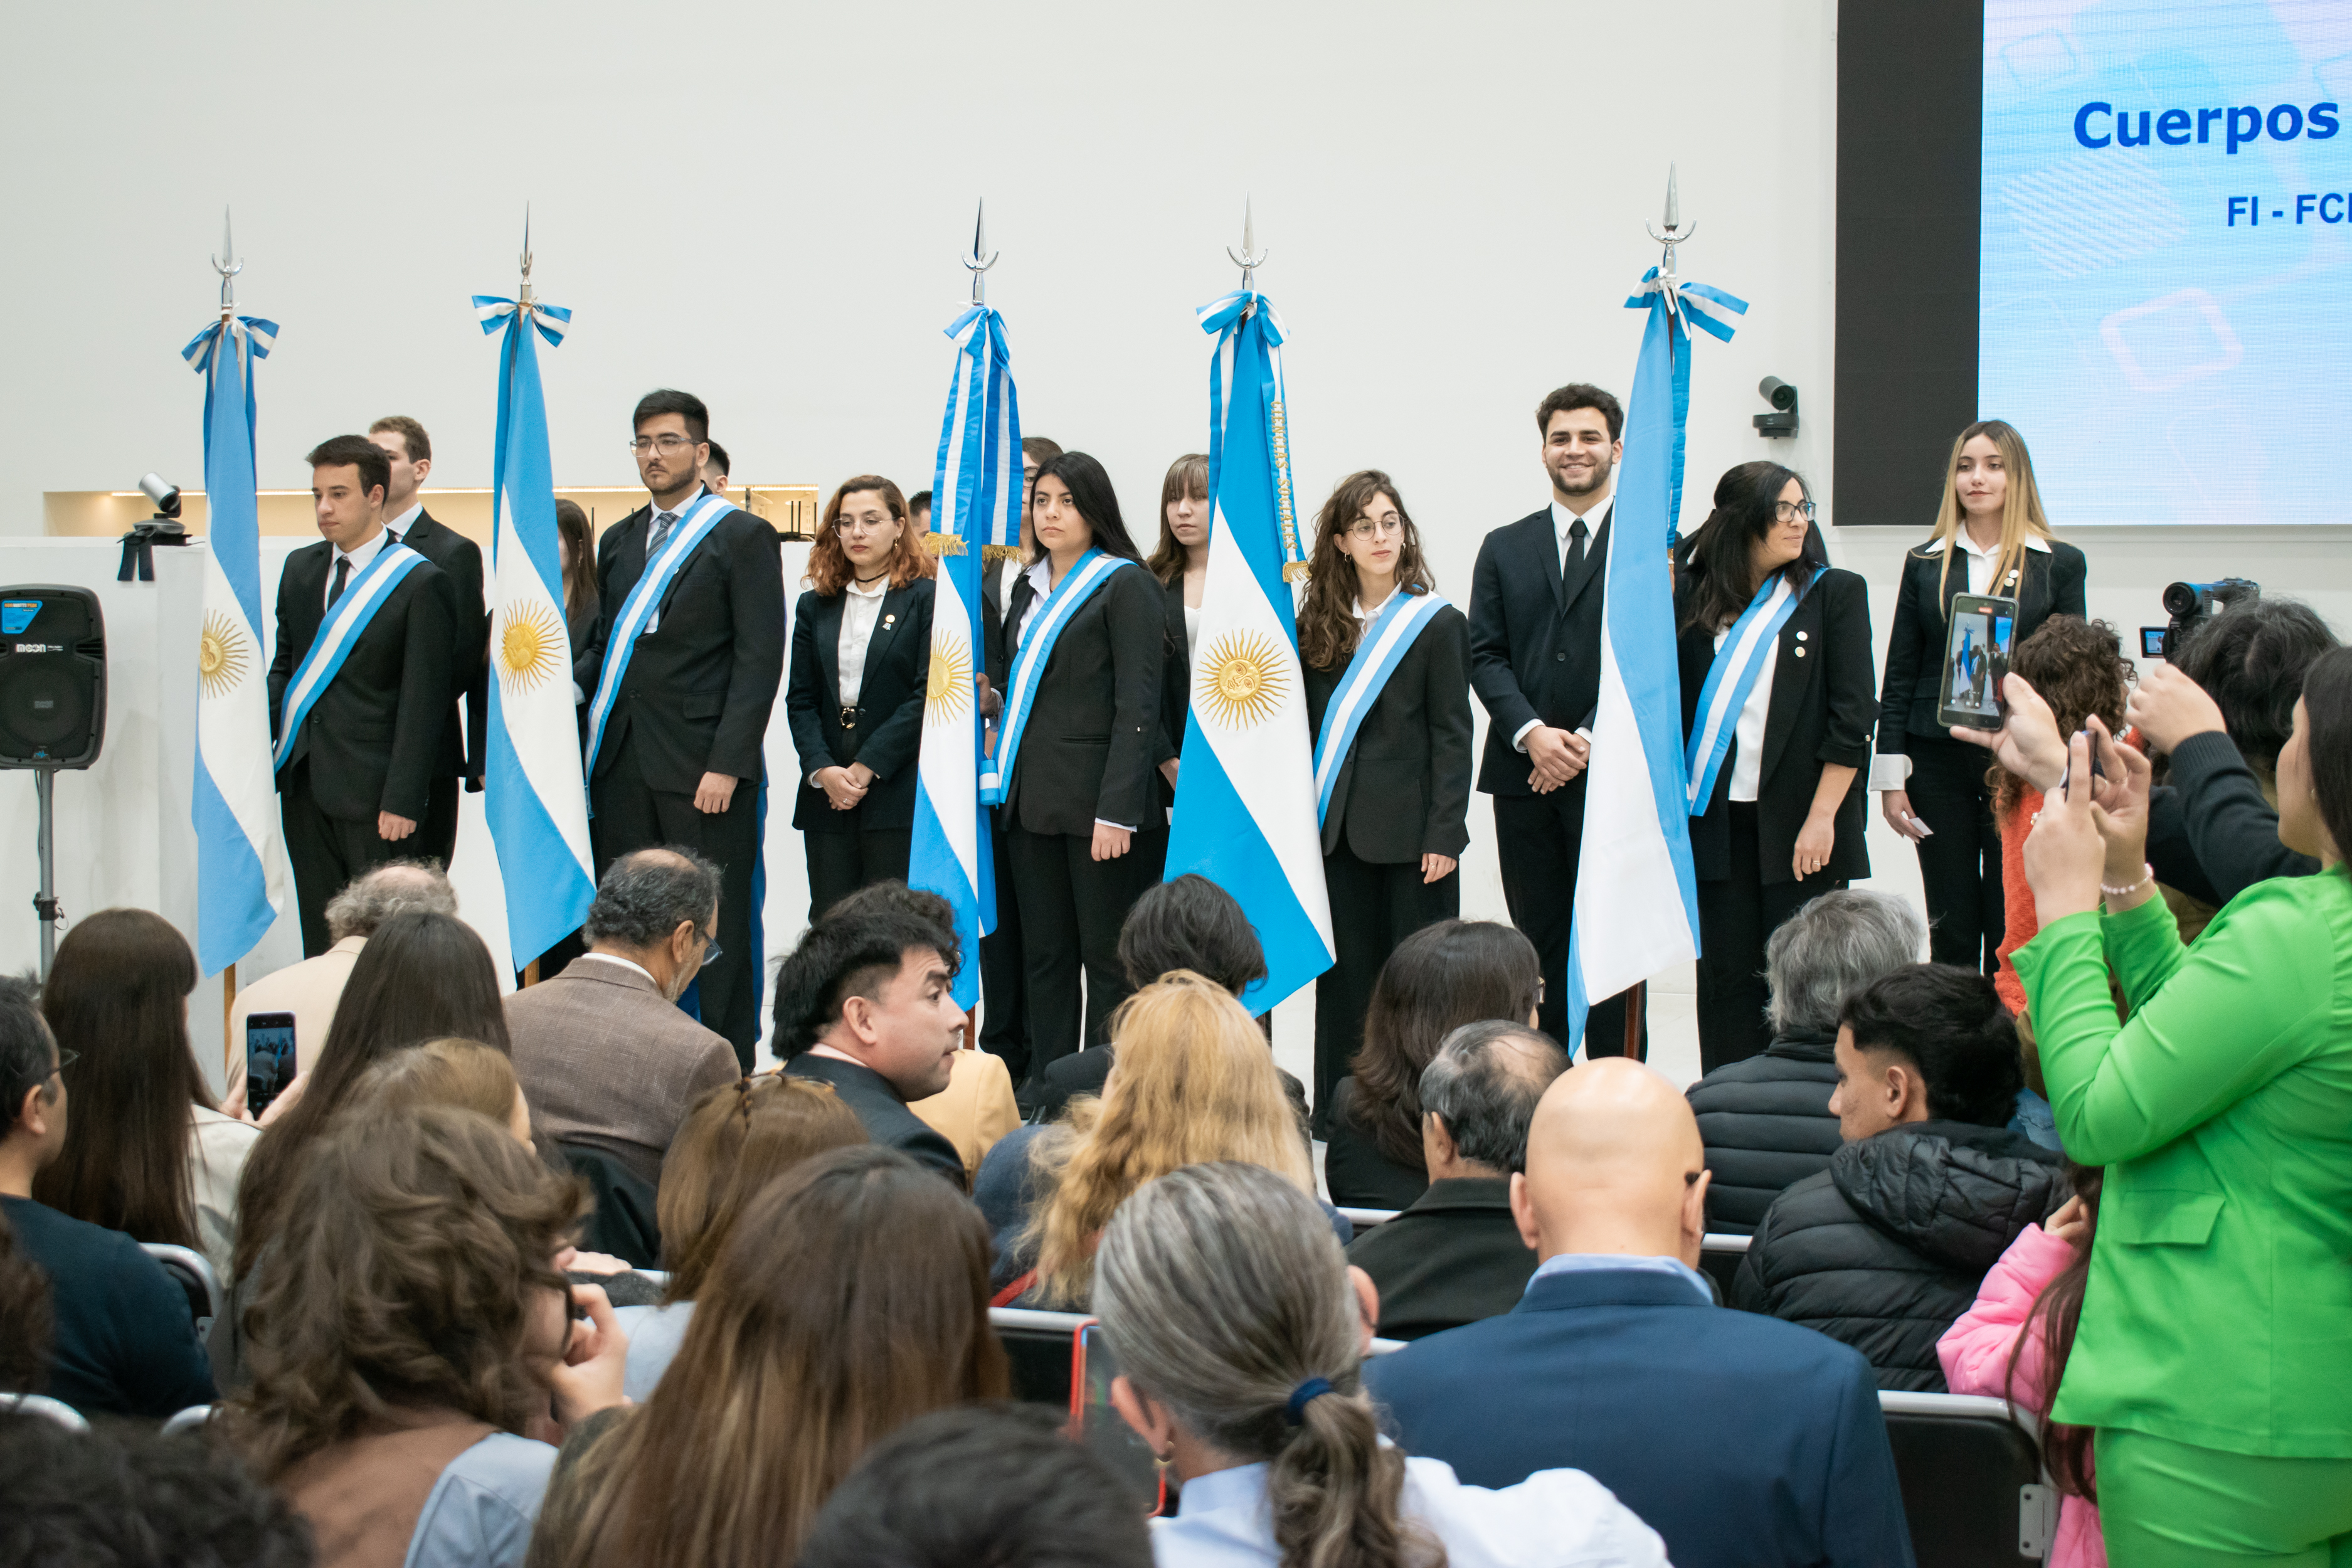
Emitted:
<point x="1576" y="532"/>
<point x="343" y="576"/>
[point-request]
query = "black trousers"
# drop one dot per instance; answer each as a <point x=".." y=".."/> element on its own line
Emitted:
<point x="436" y="835"/>
<point x="1537" y="837"/>
<point x="1374" y="907"/>
<point x="631" y="814"/>
<point x="1960" y="862"/>
<point x="1004" y="978"/>
<point x="841" y="862"/>
<point x="1072" y="906"/>
<point x="1736" y="917"/>
<point x="326" y="853"/>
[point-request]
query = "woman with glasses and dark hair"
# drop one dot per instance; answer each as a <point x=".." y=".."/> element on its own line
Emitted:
<point x="1774" y="648"/>
<point x="860" y="667"/>
<point x="1079" y="745"/>
<point x="1386" y="668"/>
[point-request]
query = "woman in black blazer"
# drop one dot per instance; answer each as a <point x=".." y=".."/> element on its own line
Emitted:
<point x="1082" y="810"/>
<point x="1991" y="537"/>
<point x="1783" y="821"/>
<point x="1397" y="824"/>
<point x="1181" y="565"/>
<point x="860" y="665"/>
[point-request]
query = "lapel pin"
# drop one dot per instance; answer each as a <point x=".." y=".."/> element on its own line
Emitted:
<point x="1800" y="652"/>
<point x="889" y="621"/>
<point x="1801" y="636"/>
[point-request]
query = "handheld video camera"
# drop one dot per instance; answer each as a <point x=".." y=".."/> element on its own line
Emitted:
<point x="2190" y="605"/>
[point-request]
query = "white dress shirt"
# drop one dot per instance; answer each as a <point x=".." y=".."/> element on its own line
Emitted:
<point x="359" y="559"/>
<point x="626" y="964"/>
<point x="861" y="612"/>
<point x="653" y="621"/>
<point x="1747" y="734"/>
<point x="398" y="527"/>
<point x="1041" y="582"/>
<point x="1563" y="523"/>
<point x="1554" y="1518"/>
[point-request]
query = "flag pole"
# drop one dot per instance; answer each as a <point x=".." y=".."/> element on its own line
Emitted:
<point x="228" y="266"/>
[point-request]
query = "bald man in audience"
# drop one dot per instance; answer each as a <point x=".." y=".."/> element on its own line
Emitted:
<point x="1738" y="1440"/>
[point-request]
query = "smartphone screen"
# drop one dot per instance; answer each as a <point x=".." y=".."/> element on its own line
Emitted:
<point x="268" y="1059"/>
<point x="1101" y="1428"/>
<point x="1976" y="658"/>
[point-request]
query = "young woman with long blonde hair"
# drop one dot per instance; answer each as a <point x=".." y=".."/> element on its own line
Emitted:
<point x="1991" y="536"/>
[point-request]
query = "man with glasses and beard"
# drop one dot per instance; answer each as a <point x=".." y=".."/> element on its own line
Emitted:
<point x="681" y="675"/>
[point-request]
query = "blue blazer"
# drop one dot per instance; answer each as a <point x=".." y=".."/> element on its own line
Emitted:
<point x="1740" y="1440"/>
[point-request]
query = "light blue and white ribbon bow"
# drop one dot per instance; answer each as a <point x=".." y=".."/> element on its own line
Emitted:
<point x="492" y="310"/>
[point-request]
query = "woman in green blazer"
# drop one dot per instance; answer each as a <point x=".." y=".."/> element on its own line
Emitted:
<point x="2214" y="1355"/>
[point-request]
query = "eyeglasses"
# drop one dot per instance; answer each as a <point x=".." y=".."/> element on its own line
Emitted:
<point x="863" y="524"/>
<point x="667" y="446"/>
<point x="711" y="953"/>
<point x="66" y="1058"/>
<point x="1374" y="527"/>
<point x="1791" y="511"/>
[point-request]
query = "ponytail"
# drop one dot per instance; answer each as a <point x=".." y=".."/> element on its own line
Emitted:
<point x="1336" y="1491"/>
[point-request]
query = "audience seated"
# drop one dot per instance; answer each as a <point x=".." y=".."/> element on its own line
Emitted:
<point x="463" y="1074"/>
<point x="2014" y="1342"/>
<point x="1455" y="1256"/>
<point x="122" y="1341"/>
<point x="736" y="1140"/>
<point x="980" y="1485"/>
<point x="1741" y="1439"/>
<point x="867" y="1004"/>
<point x="977" y="1108"/>
<point x="1194" y="1083"/>
<point x="606" y="1058"/>
<point x="126" y="1498"/>
<point x="1439" y="978"/>
<point x="1239" y="1331"/>
<point x="1887" y="1247"/>
<point x="151" y="1154"/>
<point x="407" y="1331"/>
<point x="1767" y="1121"/>
<point x="24" y="1336"/>
<point x="310" y="989"/>
<point x="852" y="1298"/>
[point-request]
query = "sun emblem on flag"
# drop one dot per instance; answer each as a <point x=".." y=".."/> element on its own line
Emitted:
<point x="1242" y="681"/>
<point x="221" y="655"/>
<point x="949" y="687"/>
<point x="531" y="644"/>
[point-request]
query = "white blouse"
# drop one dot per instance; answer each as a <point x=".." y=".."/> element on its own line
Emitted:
<point x="1747" y="734"/>
<point x="861" y="609"/>
<point x="217" y="1157"/>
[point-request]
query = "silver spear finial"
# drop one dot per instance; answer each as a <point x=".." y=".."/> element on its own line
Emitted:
<point x="1251" y="257"/>
<point x="228" y="265"/>
<point x="1676" y="232"/>
<point x="981" y="258"/>
<point x="523" y="296"/>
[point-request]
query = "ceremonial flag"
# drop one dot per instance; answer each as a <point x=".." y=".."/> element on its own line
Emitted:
<point x="975" y="516"/>
<point x="533" y="791"/>
<point x="240" y="862"/>
<point x="1636" y="895"/>
<point x="1245" y="802"/>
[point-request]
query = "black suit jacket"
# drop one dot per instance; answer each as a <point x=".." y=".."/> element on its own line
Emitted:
<point x="1403" y="789"/>
<point x="460" y="560"/>
<point x="889" y="713"/>
<point x="699" y="689"/>
<point x="374" y="735"/>
<point x="2051" y="584"/>
<point x="1455" y="1257"/>
<point x="1535" y="640"/>
<point x="1821" y="712"/>
<point x="1175" y="683"/>
<point x="1096" y="731"/>
<point x="886" y="1117"/>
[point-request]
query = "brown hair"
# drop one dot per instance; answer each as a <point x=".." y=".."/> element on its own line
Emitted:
<point x="579" y="590"/>
<point x="402" y="1279"/>
<point x="2055" y="1314"/>
<point x="853" y="1297"/>
<point x="829" y="571"/>
<point x="24" y="1319"/>
<point x="738" y="1137"/>
<point x="1187" y="476"/>
<point x="118" y="994"/>
<point x="1438" y="979"/>
<point x="2079" y="668"/>
<point x="1326" y="618"/>
<point x="465" y="1075"/>
<point x="2021" y="517"/>
<point x="411" y="436"/>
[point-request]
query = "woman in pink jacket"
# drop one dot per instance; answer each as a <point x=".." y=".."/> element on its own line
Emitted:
<point x="2013" y="1343"/>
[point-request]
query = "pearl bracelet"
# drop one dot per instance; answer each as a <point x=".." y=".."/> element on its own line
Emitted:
<point x="2147" y="874"/>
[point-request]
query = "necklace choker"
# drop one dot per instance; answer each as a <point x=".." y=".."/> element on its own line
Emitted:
<point x="876" y="578"/>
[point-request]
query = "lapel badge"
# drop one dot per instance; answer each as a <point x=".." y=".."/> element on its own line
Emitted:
<point x="1801" y="636"/>
<point x="889" y="621"/>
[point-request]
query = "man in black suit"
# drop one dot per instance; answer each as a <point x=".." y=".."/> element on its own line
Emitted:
<point x="357" y="778"/>
<point x="867" y="1003"/>
<point x="1535" y="603"/>
<point x="679" y="758"/>
<point x="404" y="442"/>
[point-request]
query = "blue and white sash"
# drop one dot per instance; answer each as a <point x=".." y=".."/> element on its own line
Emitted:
<point x="1733" y="677"/>
<point x="1379" y="651"/>
<point x="1045" y="623"/>
<point x="687" y="532"/>
<point x="364" y="595"/>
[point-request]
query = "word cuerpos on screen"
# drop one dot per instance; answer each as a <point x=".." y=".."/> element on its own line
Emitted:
<point x="2101" y="124"/>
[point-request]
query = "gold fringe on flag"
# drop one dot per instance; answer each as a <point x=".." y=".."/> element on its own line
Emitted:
<point x="943" y="544"/>
<point x="999" y="552"/>
<point x="1297" y="570"/>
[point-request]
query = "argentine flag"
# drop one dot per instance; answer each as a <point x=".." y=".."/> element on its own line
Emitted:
<point x="240" y="862"/>
<point x="975" y="510"/>
<point x="1636" y="893"/>
<point x="1245" y="802"/>
<point x="533" y="792"/>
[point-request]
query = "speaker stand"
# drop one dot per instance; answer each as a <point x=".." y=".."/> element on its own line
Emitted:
<point x="45" y="902"/>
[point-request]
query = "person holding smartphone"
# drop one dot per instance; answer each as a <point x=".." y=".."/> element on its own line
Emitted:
<point x="1991" y="539"/>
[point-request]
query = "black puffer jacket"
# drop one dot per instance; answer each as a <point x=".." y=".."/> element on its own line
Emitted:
<point x="1768" y="1125"/>
<point x="1887" y="1247"/>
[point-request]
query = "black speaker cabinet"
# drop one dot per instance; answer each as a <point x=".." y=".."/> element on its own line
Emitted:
<point x="52" y="677"/>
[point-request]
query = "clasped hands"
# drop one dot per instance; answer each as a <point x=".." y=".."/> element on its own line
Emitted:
<point x="845" y="787"/>
<point x="1558" y="756"/>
